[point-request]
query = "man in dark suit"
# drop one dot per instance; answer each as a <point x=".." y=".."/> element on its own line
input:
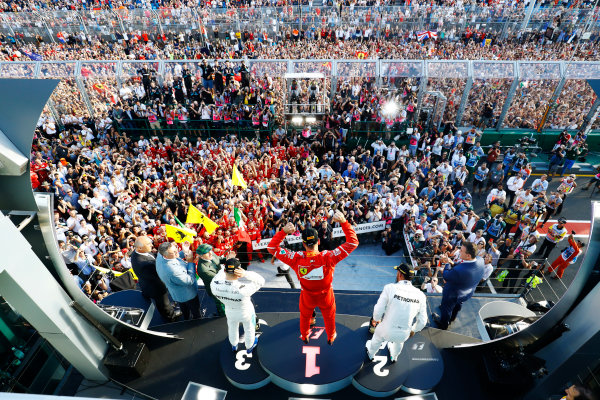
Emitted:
<point x="460" y="283"/>
<point x="325" y="236"/>
<point x="144" y="266"/>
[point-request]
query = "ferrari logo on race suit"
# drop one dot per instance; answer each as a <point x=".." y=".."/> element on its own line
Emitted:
<point x="303" y="271"/>
<point x="314" y="275"/>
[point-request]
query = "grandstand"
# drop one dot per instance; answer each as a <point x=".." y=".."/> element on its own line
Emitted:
<point x="132" y="129"/>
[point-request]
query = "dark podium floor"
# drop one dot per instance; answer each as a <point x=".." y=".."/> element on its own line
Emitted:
<point x="196" y="358"/>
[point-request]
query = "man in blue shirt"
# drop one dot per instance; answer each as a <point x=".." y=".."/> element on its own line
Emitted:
<point x="478" y="149"/>
<point x="180" y="278"/>
<point x="428" y="192"/>
<point x="460" y="283"/>
<point x="349" y="173"/>
<point x="72" y="198"/>
<point x="508" y="160"/>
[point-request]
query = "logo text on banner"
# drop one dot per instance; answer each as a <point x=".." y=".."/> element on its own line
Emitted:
<point x="337" y="232"/>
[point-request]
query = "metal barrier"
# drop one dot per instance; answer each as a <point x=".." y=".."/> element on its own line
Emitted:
<point x="505" y="281"/>
<point x="91" y="87"/>
<point x="203" y="129"/>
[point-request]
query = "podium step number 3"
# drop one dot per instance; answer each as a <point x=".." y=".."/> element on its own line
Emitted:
<point x="241" y="369"/>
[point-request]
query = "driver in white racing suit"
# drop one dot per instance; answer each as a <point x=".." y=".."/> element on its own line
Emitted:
<point x="405" y="312"/>
<point x="235" y="295"/>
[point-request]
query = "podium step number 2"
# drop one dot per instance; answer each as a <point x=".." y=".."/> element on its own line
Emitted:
<point x="418" y="368"/>
<point x="380" y="377"/>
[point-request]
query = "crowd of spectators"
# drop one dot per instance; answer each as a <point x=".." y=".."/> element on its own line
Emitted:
<point x="22" y="5"/>
<point x="413" y="6"/>
<point x="312" y="42"/>
<point x="121" y="173"/>
<point x="111" y="187"/>
<point x="357" y="99"/>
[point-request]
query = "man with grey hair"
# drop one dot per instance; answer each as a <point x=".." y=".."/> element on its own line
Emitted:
<point x="180" y="278"/>
<point x="143" y="263"/>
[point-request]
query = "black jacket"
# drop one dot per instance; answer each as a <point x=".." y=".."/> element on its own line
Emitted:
<point x="144" y="267"/>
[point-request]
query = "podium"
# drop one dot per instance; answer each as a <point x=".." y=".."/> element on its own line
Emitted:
<point x="241" y="369"/>
<point x="317" y="368"/>
<point x="380" y="377"/>
<point x="418" y="369"/>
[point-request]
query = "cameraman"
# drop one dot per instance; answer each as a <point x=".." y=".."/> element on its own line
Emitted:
<point x="519" y="262"/>
<point x="431" y="285"/>
<point x="571" y="155"/>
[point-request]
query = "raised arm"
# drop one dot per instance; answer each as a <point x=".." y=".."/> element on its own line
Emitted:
<point x="182" y="277"/>
<point x="448" y="274"/>
<point x="351" y="244"/>
<point x="284" y="255"/>
<point x="255" y="282"/>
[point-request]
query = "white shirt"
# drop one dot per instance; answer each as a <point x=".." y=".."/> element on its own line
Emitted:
<point x="445" y="170"/>
<point x="73" y="223"/>
<point x="441" y="225"/>
<point x="437" y="147"/>
<point x="236" y="294"/>
<point x="487" y="271"/>
<point x="430" y="289"/>
<point x="378" y="147"/>
<point x="475" y="240"/>
<point x="404" y="307"/>
<point x="458" y="160"/>
<point x="402" y="154"/>
<point x="539" y="185"/>
<point x="515" y="183"/>
<point x="89" y="248"/>
<point x="523" y="200"/>
<point x="496" y="194"/>
<point x="391" y="153"/>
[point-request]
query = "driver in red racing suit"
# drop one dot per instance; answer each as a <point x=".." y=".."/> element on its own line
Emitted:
<point x="315" y="272"/>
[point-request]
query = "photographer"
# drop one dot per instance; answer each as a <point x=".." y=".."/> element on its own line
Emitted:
<point x="431" y="285"/>
<point x="517" y="262"/>
<point x="390" y="241"/>
<point x="84" y="264"/>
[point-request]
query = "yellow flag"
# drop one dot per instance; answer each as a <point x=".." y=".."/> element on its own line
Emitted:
<point x="237" y="178"/>
<point x="115" y="273"/>
<point x="102" y="270"/>
<point x="179" y="234"/>
<point x="130" y="270"/>
<point x="196" y="216"/>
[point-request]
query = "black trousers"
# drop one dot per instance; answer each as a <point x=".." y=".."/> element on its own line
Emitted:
<point x="163" y="305"/>
<point x="511" y="197"/>
<point x="546" y="248"/>
<point x="511" y="281"/>
<point x="508" y="228"/>
<point x="449" y="310"/>
<point x="191" y="308"/>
